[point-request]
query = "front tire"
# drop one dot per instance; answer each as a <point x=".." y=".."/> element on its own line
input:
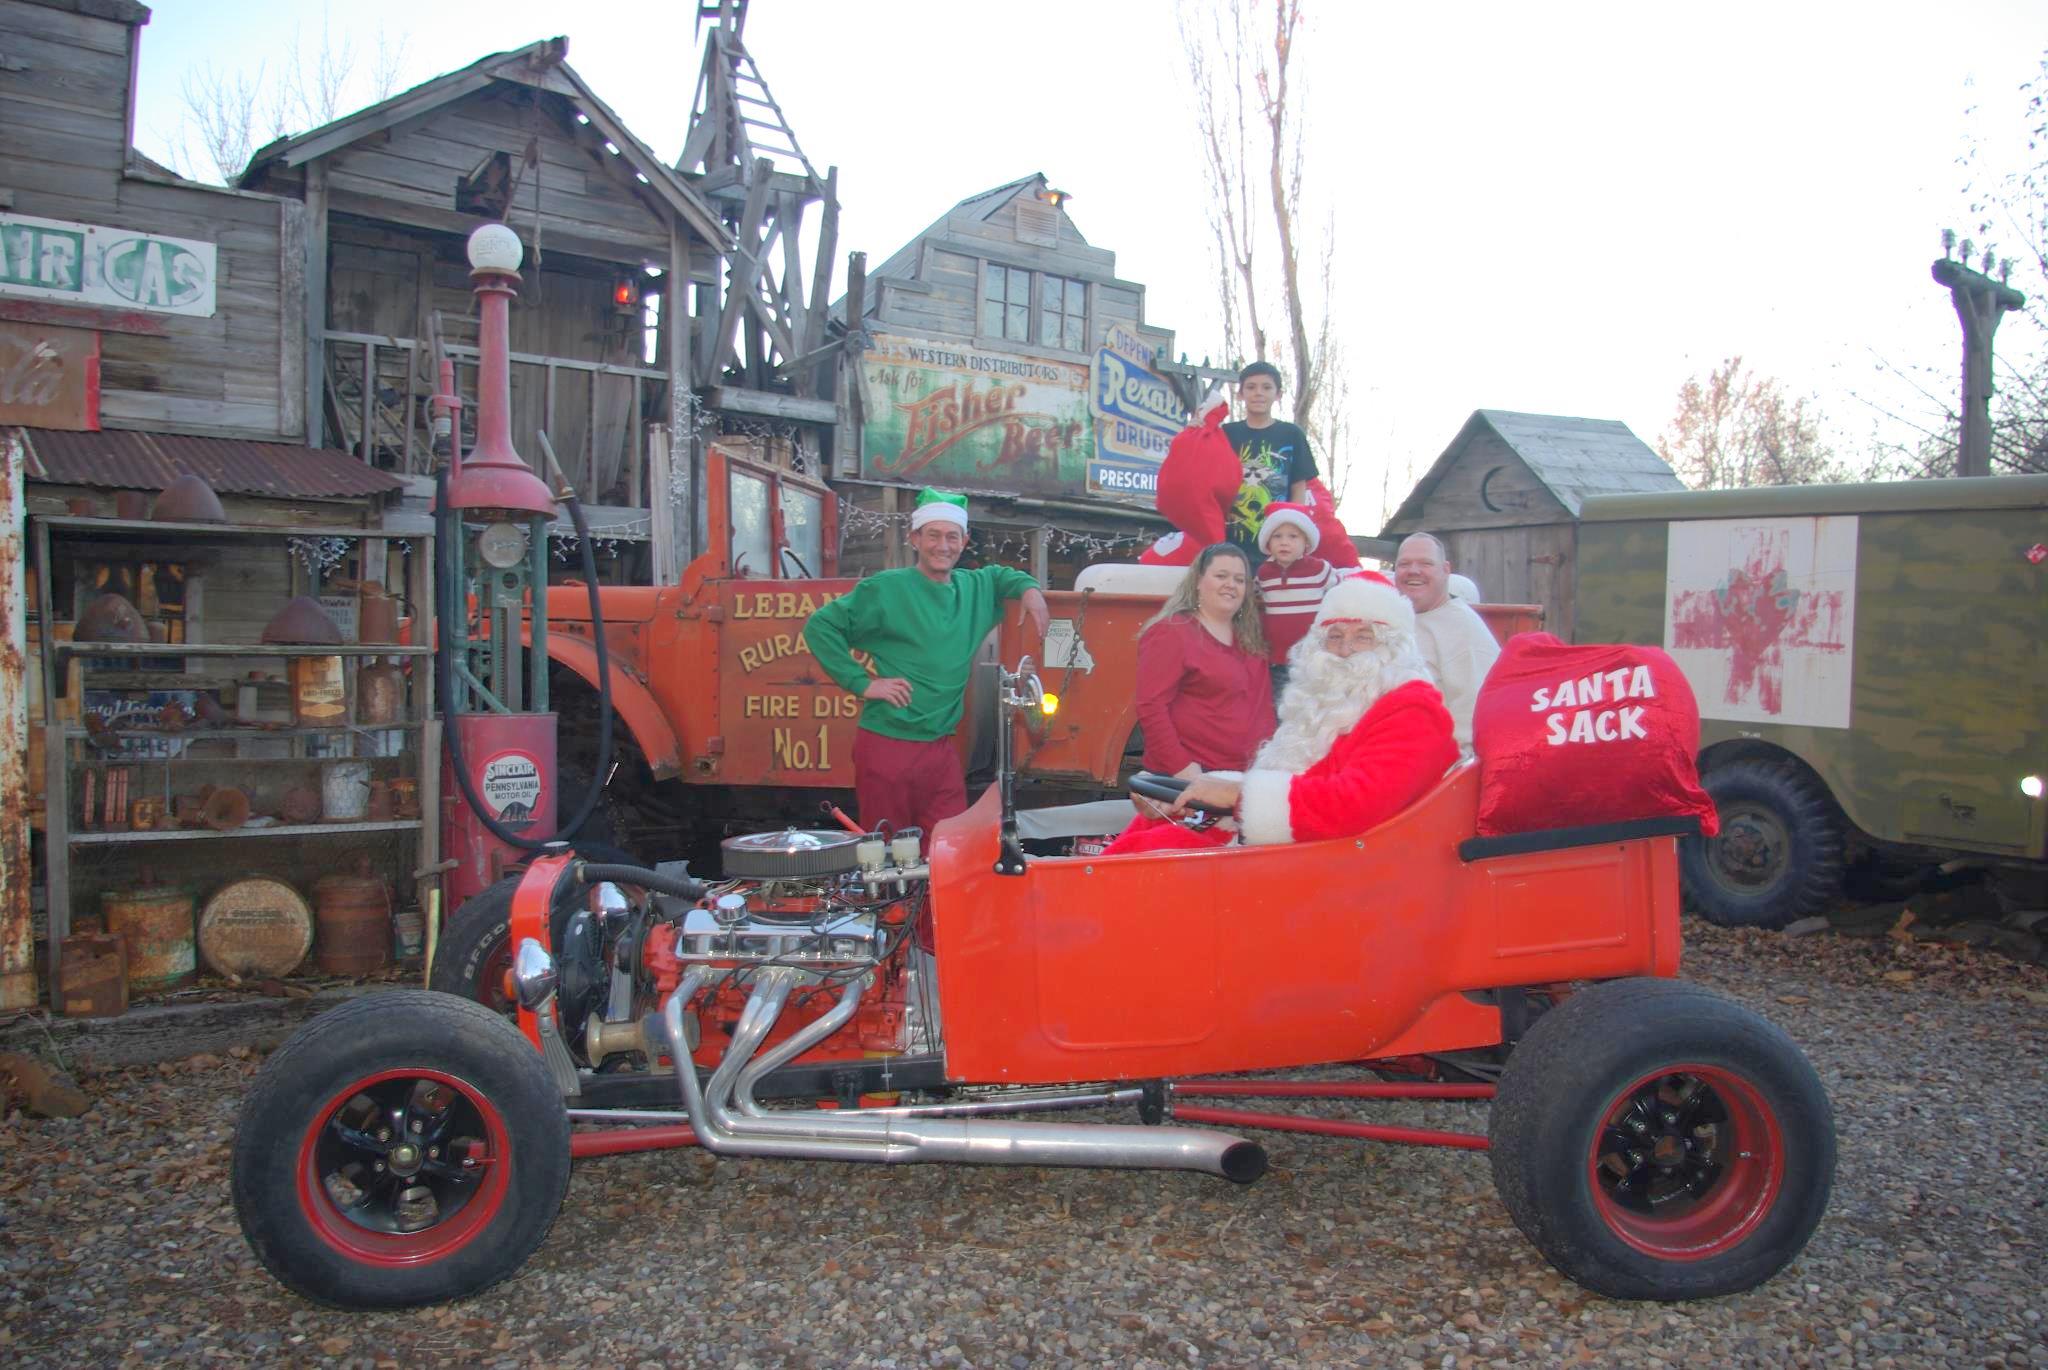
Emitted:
<point x="1656" y="1141"/>
<point x="1780" y="853"/>
<point x="401" y="1149"/>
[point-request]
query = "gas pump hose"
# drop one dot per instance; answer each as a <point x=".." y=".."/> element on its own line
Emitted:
<point x="451" y="601"/>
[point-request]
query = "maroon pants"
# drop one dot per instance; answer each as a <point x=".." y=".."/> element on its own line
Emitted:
<point x="909" y="784"/>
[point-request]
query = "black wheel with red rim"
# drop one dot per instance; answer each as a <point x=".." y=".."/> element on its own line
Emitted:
<point x="1656" y="1141"/>
<point x="400" y="1149"/>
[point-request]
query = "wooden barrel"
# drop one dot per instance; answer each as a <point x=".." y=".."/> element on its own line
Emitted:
<point x="354" y="917"/>
<point x="156" y="923"/>
<point x="255" y="929"/>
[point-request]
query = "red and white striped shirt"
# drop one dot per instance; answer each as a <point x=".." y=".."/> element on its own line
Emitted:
<point x="1288" y="599"/>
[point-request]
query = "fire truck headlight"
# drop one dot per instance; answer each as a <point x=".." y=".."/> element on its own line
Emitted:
<point x="1050" y="704"/>
<point x="2030" y="786"/>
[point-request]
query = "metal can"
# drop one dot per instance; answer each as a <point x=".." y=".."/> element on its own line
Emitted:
<point x="156" y="923"/>
<point x="255" y="929"/>
<point x="353" y="915"/>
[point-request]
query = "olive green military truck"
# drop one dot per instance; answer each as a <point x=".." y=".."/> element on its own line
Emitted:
<point x="1870" y="667"/>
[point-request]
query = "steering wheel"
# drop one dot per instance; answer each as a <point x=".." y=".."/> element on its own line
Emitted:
<point x="1166" y="789"/>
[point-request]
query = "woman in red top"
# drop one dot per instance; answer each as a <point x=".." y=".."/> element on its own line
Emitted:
<point x="1205" y="699"/>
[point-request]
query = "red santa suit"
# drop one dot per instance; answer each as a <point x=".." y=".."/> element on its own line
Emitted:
<point x="1360" y="739"/>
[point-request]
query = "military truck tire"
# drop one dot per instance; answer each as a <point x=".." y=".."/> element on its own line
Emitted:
<point x="1780" y="853"/>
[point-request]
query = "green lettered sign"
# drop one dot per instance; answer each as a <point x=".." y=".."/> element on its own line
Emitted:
<point x="116" y="268"/>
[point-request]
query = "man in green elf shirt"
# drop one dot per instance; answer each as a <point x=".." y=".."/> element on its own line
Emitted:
<point x="922" y="625"/>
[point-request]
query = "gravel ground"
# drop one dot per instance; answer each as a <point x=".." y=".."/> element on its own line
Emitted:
<point x="118" y="1245"/>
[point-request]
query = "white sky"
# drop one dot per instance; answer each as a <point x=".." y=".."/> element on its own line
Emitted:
<point x="1558" y="208"/>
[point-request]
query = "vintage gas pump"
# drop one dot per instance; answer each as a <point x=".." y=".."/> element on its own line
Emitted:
<point x="500" y="799"/>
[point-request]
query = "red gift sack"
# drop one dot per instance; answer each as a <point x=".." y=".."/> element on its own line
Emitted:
<point x="1568" y="736"/>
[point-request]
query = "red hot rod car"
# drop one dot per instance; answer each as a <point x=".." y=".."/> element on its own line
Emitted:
<point x="853" y="997"/>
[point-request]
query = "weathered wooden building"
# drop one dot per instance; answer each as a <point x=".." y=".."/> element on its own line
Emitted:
<point x="1005" y="357"/>
<point x="1505" y="498"/>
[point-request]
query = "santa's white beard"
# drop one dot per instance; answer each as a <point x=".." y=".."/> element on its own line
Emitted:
<point x="1327" y="694"/>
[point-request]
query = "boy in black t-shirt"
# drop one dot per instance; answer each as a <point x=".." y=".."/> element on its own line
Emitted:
<point x="1277" y="463"/>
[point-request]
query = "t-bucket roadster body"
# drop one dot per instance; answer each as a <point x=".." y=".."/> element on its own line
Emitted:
<point x="856" y="998"/>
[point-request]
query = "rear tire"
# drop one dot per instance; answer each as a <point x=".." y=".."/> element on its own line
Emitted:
<point x="400" y="1149"/>
<point x="1780" y="853"/>
<point x="1656" y="1141"/>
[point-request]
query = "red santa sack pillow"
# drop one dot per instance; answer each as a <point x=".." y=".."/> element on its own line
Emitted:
<point x="1568" y="736"/>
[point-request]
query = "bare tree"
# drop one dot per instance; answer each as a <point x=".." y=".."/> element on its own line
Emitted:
<point x="221" y="108"/>
<point x="232" y="114"/>
<point x="1250" y="121"/>
<point x="1736" y="430"/>
<point x="2007" y="203"/>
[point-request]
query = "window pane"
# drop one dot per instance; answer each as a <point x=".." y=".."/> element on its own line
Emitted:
<point x="1020" y="286"/>
<point x="1049" y="291"/>
<point x="991" y="281"/>
<point x="1072" y="340"/>
<point x="1077" y="297"/>
<point x="992" y="318"/>
<point x="750" y="526"/>
<point x="1020" y="324"/>
<point x="803" y="533"/>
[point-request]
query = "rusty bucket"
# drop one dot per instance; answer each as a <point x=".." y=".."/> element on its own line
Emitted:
<point x="352" y="915"/>
<point x="156" y="923"/>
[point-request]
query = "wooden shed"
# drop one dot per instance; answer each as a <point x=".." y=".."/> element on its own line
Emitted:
<point x="1505" y="498"/>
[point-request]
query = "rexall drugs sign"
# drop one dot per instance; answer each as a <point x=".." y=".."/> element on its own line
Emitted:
<point x="118" y="268"/>
<point x="1136" y="416"/>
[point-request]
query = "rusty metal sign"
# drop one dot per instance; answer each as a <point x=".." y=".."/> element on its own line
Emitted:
<point x="50" y="377"/>
<point x="948" y="414"/>
<point x="118" y="268"/>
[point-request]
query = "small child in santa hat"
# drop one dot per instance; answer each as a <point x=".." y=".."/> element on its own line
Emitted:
<point x="1292" y="580"/>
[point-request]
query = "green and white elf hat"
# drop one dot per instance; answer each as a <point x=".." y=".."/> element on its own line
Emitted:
<point x="936" y="506"/>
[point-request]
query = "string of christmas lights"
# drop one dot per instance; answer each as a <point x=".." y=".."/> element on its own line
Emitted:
<point x="855" y="521"/>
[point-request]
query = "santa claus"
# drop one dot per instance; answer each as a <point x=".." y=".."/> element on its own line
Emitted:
<point x="1363" y="734"/>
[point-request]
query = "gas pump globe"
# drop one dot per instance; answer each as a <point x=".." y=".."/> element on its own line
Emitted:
<point x="501" y="732"/>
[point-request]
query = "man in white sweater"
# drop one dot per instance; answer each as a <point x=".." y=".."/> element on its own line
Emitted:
<point x="1455" y="641"/>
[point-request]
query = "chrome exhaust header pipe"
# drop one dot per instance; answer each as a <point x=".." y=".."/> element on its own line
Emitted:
<point x="897" y="1139"/>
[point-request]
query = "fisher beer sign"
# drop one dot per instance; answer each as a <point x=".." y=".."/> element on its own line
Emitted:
<point x="1136" y="416"/>
<point x="117" y="268"/>
<point x="945" y="413"/>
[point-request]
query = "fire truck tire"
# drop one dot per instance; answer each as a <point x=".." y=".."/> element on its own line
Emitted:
<point x="1657" y="1141"/>
<point x="401" y="1149"/>
<point x="1780" y="855"/>
<point x="474" y="948"/>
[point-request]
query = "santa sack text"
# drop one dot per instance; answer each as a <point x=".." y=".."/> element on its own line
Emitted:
<point x="1568" y="736"/>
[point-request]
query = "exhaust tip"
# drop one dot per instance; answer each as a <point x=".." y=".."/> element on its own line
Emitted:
<point x="1244" y="1162"/>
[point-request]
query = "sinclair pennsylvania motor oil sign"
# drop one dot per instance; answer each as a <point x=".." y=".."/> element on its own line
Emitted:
<point x="944" y="413"/>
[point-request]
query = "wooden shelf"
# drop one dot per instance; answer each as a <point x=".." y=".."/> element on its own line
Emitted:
<point x="73" y="732"/>
<point x="61" y="523"/>
<point x="101" y="839"/>
<point x="234" y="649"/>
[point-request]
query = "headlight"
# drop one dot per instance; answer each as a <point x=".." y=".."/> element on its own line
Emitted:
<point x="534" y="974"/>
<point x="1050" y="705"/>
<point x="2030" y="786"/>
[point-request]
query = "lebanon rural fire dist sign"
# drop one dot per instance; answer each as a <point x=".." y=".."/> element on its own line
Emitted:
<point x="119" y="268"/>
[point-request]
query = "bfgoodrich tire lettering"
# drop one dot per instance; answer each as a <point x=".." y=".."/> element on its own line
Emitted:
<point x="447" y="1074"/>
<point x="1751" y="1132"/>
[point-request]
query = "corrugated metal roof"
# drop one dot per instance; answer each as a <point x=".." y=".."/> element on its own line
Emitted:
<point x="123" y="460"/>
<point x="1574" y="458"/>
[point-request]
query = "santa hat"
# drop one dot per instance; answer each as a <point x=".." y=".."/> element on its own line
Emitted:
<point x="1367" y="597"/>
<point x="1281" y="514"/>
<point x="936" y="506"/>
<point x="1214" y="408"/>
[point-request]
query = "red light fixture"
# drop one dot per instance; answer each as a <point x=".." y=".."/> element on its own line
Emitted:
<point x="626" y="295"/>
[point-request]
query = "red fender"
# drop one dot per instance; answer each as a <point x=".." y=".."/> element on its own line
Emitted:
<point x="633" y="704"/>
